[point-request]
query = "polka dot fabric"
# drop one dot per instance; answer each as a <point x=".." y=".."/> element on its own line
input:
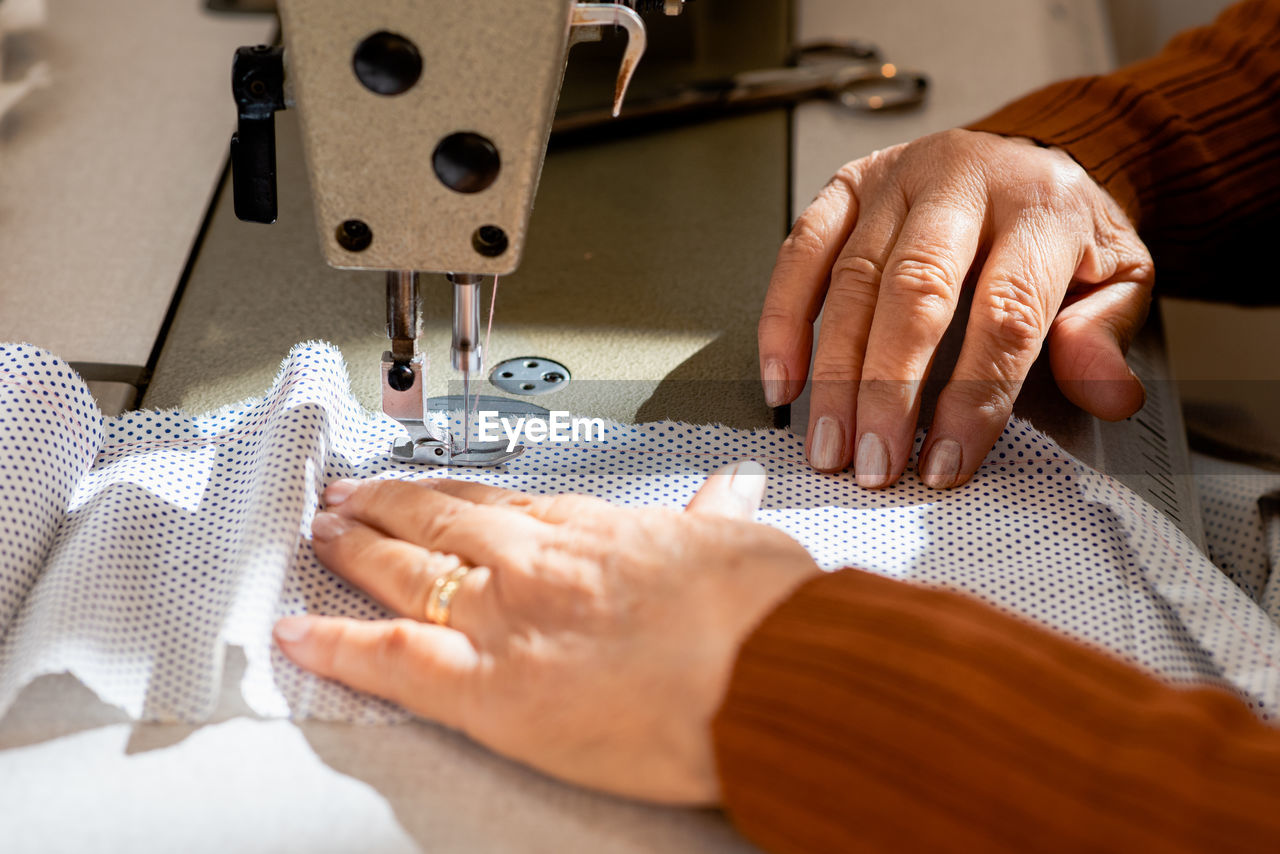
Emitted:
<point x="137" y="549"/>
<point x="50" y="429"/>
<point x="1241" y="507"/>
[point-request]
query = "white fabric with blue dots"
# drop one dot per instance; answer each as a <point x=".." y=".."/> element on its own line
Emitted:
<point x="1241" y="508"/>
<point x="134" y="550"/>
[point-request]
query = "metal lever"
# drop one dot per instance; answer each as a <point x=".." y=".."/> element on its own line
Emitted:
<point x="257" y="82"/>
<point x="604" y="14"/>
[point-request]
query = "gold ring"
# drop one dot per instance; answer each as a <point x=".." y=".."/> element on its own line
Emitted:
<point x="443" y="589"/>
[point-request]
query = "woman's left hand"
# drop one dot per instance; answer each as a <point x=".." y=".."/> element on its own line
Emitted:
<point x="590" y="641"/>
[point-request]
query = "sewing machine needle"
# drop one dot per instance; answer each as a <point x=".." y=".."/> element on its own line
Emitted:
<point x="466" y="409"/>
<point x="466" y="353"/>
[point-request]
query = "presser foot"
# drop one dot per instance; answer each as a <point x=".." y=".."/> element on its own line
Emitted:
<point x="432" y="451"/>
<point x="427" y="444"/>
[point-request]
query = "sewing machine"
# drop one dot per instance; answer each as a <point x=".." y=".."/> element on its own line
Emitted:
<point x="425" y="145"/>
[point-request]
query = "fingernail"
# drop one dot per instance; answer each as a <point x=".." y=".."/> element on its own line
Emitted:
<point x="292" y="629"/>
<point x="775" y="382"/>
<point x="871" y="468"/>
<point x="942" y="466"/>
<point x="747" y="484"/>
<point x="1142" y="387"/>
<point x="327" y="526"/>
<point x="828" y="444"/>
<point x="339" y="491"/>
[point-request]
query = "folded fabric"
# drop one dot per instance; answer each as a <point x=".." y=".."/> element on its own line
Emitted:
<point x="1240" y="504"/>
<point x="134" y="550"/>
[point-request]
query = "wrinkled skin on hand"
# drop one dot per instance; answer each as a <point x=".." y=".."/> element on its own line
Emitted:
<point x="883" y="253"/>
<point x="590" y="641"/>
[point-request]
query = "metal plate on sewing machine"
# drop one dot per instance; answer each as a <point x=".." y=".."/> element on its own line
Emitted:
<point x="529" y="375"/>
<point x="503" y="406"/>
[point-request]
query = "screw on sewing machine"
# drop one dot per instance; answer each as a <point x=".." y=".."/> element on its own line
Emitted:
<point x="387" y="63"/>
<point x="400" y="376"/>
<point x="489" y="240"/>
<point x="354" y="235"/>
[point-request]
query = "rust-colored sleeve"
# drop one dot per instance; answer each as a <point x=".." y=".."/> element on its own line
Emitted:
<point x="1189" y="143"/>
<point x="867" y="714"/>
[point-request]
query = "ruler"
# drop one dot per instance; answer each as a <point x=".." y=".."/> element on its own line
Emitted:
<point x="1148" y="452"/>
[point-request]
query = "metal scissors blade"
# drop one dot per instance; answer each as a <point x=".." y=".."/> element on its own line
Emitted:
<point x="853" y="74"/>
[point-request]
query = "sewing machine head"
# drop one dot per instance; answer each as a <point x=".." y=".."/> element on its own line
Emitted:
<point x="425" y="124"/>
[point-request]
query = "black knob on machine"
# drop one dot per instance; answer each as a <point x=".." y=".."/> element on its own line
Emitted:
<point x="257" y="82"/>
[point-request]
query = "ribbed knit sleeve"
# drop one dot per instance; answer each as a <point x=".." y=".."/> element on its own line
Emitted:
<point x="1188" y="143"/>
<point x="867" y="714"/>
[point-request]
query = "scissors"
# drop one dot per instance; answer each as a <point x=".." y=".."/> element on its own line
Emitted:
<point x="852" y="74"/>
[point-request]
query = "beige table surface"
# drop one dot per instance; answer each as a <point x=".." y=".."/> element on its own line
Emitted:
<point x="106" y="173"/>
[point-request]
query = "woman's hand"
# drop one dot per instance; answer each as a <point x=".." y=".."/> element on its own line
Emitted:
<point x="591" y="641"/>
<point x="883" y="253"/>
